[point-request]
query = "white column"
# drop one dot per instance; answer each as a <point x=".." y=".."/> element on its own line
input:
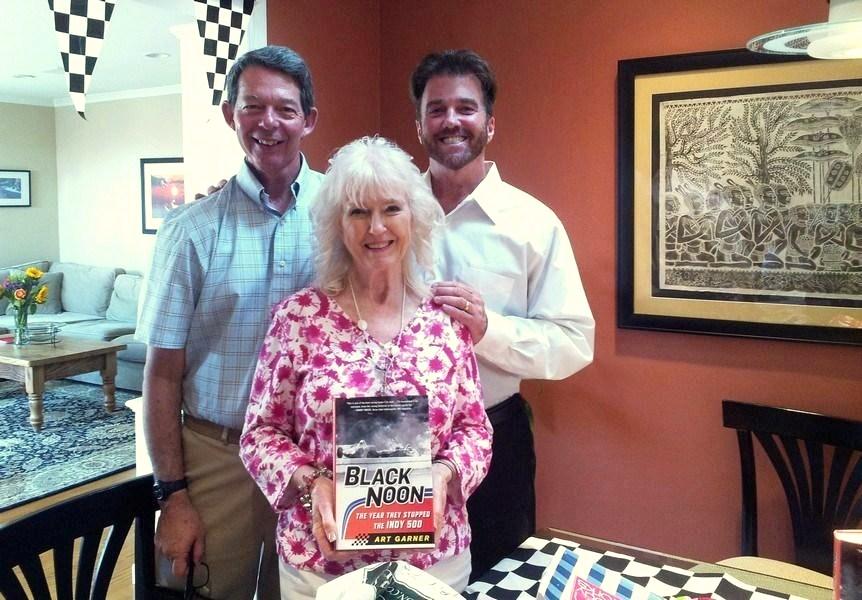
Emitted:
<point x="210" y="147"/>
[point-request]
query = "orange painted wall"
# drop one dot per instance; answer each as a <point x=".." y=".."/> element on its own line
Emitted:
<point x="632" y="448"/>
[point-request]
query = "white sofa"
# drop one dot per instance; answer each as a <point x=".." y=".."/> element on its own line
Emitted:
<point x="91" y="302"/>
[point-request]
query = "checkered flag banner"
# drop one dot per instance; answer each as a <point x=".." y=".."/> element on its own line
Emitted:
<point x="81" y="26"/>
<point x="221" y="24"/>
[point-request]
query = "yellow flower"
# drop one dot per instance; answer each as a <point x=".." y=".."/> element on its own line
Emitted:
<point x="41" y="295"/>
<point x="33" y="273"/>
<point x="20" y="294"/>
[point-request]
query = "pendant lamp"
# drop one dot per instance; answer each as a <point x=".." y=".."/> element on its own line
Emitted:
<point x="840" y="37"/>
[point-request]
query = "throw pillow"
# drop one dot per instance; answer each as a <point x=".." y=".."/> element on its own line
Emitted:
<point x="52" y="305"/>
<point x="124" y="299"/>
<point x="86" y="288"/>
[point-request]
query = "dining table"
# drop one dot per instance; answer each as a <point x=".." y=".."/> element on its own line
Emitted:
<point x="518" y="575"/>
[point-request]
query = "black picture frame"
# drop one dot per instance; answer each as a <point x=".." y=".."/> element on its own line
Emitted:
<point x="162" y="190"/>
<point x="661" y="283"/>
<point x="14" y="188"/>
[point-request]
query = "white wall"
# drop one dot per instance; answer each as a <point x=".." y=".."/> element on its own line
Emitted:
<point x="99" y="181"/>
<point x="27" y="144"/>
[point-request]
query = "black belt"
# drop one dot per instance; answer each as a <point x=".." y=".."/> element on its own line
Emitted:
<point x="505" y="410"/>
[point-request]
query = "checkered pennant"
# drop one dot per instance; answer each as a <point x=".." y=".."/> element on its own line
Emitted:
<point x="221" y="24"/>
<point x="81" y="26"/>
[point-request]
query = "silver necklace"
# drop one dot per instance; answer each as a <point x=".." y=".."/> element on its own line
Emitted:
<point x="362" y="324"/>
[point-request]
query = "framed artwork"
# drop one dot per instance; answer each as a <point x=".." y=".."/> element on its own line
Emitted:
<point x="162" y="190"/>
<point x="740" y="196"/>
<point x="14" y="188"/>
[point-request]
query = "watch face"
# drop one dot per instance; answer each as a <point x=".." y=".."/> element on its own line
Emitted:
<point x="163" y="489"/>
<point x="158" y="492"/>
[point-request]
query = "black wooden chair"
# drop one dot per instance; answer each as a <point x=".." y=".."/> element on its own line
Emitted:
<point x="113" y="511"/>
<point x="822" y="488"/>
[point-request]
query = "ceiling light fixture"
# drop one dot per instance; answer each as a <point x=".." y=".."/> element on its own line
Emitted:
<point x="840" y="37"/>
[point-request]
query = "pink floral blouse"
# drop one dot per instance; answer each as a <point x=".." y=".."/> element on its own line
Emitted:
<point x="313" y="353"/>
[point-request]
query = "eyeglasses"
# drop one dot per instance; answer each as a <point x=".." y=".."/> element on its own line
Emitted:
<point x="191" y="591"/>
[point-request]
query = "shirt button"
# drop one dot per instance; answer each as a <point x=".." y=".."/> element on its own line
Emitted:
<point x="282" y="264"/>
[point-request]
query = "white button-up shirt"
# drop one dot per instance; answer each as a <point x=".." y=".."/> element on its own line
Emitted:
<point x="515" y="252"/>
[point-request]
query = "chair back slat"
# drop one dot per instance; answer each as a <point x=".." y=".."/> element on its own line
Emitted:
<point x="840" y="460"/>
<point x="145" y="560"/>
<point x="784" y="473"/>
<point x="801" y="479"/>
<point x="110" y="554"/>
<point x="63" y="569"/>
<point x="816" y="475"/>
<point x="822" y="494"/>
<point x="845" y="515"/>
<point x="10" y="586"/>
<point x="87" y="563"/>
<point x="34" y="574"/>
<point x="749" y="493"/>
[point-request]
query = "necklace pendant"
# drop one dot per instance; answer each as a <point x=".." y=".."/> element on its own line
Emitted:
<point x="362" y="324"/>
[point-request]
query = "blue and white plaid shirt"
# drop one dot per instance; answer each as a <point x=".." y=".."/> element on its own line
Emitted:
<point x="219" y="266"/>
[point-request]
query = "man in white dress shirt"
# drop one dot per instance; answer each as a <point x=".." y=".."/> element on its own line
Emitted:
<point x="508" y="272"/>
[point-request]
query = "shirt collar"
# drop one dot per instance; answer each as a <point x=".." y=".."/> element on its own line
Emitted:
<point x="251" y="185"/>
<point x="486" y="195"/>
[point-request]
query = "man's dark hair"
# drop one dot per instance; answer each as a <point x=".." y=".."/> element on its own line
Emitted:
<point x="277" y="58"/>
<point x="453" y="62"/>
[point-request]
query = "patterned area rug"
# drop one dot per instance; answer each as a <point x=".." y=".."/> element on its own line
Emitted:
<point x="79" y="441"/>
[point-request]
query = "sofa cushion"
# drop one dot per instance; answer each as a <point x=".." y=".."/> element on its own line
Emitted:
<point x="86" y="289"/>
<point x="135" y="351"/>
<point x="124" y="299"/>
<point x="99" y="329"/>
<point x="52" y="305"/>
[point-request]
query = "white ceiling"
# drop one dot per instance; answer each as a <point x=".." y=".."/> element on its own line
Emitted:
<point x="28" y="45"/>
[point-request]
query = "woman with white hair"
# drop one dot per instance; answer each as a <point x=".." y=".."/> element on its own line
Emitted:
<point x="368" y="328"/>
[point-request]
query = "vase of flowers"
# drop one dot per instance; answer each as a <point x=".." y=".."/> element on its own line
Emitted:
<point x="24" y="293"/>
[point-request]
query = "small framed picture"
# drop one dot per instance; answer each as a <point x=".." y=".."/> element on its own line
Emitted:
<point x="14" y="188"/>
<point x="162" y="190"/>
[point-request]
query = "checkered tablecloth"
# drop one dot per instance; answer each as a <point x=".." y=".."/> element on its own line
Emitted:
<point x="517" y="576"/>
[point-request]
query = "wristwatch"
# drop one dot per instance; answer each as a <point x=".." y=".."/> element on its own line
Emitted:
<point x="163" y="489"/>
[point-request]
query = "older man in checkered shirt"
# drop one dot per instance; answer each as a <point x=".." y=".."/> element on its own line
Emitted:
<point x="218" y="266"/>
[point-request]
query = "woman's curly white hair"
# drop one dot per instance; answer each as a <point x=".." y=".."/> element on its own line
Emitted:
<point x="373" y="167"/>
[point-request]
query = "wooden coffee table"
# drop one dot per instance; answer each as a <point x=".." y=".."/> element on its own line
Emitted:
<point x="35" y="364"/>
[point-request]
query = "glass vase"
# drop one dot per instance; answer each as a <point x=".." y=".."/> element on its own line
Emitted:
<point x="22" y="334"/>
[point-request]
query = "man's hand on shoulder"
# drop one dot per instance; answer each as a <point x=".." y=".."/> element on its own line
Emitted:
<point x="212" y="189"/>
<point x="464" y="304"/>
<point x="180" y="531"/>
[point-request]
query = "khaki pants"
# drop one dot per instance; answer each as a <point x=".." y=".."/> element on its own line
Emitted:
<point x="240" y="524"/>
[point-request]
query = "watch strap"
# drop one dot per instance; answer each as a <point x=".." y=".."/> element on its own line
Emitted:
<point x="162" y="490"/>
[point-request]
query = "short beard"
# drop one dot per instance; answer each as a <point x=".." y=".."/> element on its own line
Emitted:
<point x="456" y="162"/>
